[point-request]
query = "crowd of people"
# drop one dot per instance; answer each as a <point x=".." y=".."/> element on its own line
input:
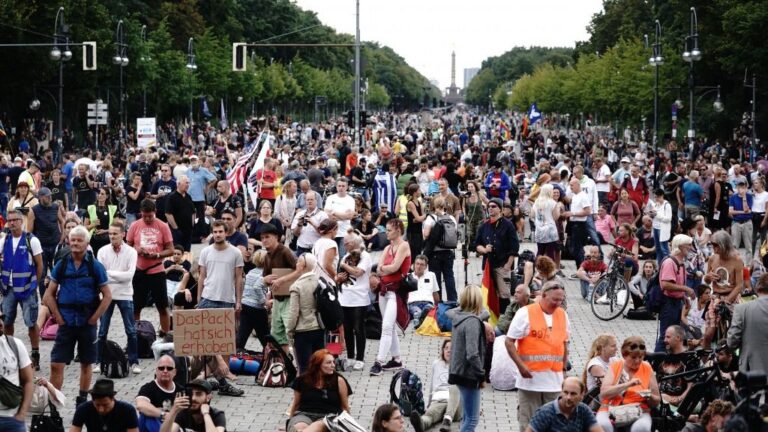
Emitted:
<point x="383" y="223"/>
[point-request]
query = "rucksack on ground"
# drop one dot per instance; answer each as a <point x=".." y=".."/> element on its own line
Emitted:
<point x="145" y="336"/>
<point x="114" y="362"/>
<point x="277" y="370"/>
<point x="329" y="313"/>
<point x="411" y="396"/>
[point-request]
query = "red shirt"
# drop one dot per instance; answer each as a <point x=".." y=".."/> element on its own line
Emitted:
<point x="152" y="238"/>
<point x="594" y="267"/>
<point x="269" y="176"/>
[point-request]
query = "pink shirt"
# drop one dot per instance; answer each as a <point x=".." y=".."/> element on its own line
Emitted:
<point x="152" y="238"/>
<point x="606" y="226"/>
<point x="669" y="272"/>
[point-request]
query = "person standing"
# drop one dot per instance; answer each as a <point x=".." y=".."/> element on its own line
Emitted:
<point x="303" y="326"/>
<point x="199" y="180"/>
<point x="73" y="299"/>
<point x="16" y="367"/>
<point x="180" y="213"/>
<point x="22" y="272"/>
<point x="278" y="257"/>
<point x="163" y="187"/>
<point x="416" y="216"/>
<point x="153" y="242"/>
<point x="581" y="208"/>
<point x="740" y="210"/>
<point x="537" y="341"/>
<point x="85" y="187"/>
<point x="46" y="222"/>
<point x="662" y="213"/>
<point x="385" y="186"/>
<point x="340" y="207"/>
<point x="305" y="223"/>
<point x="226" y="201"/>
<point x="747" y="332"/>
<point x="119" y="261"/>
<point x="672" y="279"/>
<point x="497" y="241"/>
<point x="436" y="228"/>
<point x="221" y="273"/>
<point x="545" y="213"/>
<point x="354" y="280"/>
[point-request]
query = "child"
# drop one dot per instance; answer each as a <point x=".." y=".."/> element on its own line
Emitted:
<point x="254" y="313"/>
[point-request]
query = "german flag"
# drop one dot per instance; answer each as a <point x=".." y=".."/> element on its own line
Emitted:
<point x="490" y="295"/>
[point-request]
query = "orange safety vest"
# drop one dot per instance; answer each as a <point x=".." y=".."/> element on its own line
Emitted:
<point x="632" y="394"/>
<point x="544" y="348"/>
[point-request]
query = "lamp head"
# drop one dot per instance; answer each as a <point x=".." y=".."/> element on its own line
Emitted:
<point x="659" y="60"/>
<point x="687" y="56"/>
<point x="695" y="54"/>
<point x="66" y="55"/>
<point x="718" y="106"/>
<point x="117" y="60"/>
<point x="55" y="54"/>
<point x="124" y="61"/>
<point x="34" y="105"/>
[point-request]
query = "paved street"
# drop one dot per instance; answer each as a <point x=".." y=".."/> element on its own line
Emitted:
<point x="263" y="409"/>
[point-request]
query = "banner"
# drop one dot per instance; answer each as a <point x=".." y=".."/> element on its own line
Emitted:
<point x="146" y="132"/>
<point x="253" y="191"/>
<point x="204" y="332"/>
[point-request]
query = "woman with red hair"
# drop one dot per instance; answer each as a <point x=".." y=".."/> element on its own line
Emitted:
<point x="318" y="392"/>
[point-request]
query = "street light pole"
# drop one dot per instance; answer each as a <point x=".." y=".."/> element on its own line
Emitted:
<point x="656" y="60"/>
<point x="753" y="86"/>
<point x="60" y="36"/>
<point x="120" y="60"/>
<point x="191" y="66"/>
<point x="143" y="48"/>
<point x="692" y="54"/>
<point x="357" y="74"/>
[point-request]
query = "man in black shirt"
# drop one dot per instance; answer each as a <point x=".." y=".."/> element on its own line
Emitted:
<point x="85" y="186"/>
<point x="194" y="412"/>
<point x="156" y="397"/>
<point x="103" y="412"/>
<point x="180" y="213"/>
<point x="58" y="188"/>
<point x="316" y="177"/>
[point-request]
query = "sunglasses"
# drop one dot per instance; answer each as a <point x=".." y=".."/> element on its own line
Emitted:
<point x="637" y="347"/>
<point x="165" y="368"/>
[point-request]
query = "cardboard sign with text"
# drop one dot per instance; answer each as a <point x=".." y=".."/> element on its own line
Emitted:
<point x="204" y="332"/>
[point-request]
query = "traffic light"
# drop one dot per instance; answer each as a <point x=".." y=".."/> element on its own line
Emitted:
<point x="89" y="56"/>
<point x="363" y="118"/>
<point x="351" y="119"/>
<point x="239" y="53"/>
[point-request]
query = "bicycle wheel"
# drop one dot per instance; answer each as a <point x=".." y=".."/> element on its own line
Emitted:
<point x="609" y="297"/>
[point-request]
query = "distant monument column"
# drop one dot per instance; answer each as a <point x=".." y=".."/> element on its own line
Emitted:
<point x="453" y="94"/>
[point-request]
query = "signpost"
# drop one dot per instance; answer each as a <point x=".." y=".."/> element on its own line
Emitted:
<point x="97" y="115"/>
<point x="199" y="332"/>
<point x="146" y="132"/>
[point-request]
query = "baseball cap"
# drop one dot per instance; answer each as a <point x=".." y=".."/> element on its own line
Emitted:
<point x="625" y="160"/>
<point x="200" y="384"/>
<point x="44" y="191"/>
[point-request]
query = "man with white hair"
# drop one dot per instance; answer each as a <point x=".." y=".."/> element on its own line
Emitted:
<point x="674" y="289"/>
<point x="73" y="299"/>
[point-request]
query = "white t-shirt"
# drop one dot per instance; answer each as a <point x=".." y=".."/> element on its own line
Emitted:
<point x="427" y="286"/>
<point x="604" y="173"/>
<point x="504" y="372"/>
<point x="339" y="204"/>
<point x="596" y="361"/>
<point x="9" y="367"/>
<point x="758" y="202"/>
<point x="309" y="234"/>
<point x="590" y="188"/>
<point x="547" y="381"/>
<point x="429" y="222"/>
<point x="319" y="250"/>
<point x="579" y="202"/>
<point x="356" y="294"/>
<point x="220" y="266"/>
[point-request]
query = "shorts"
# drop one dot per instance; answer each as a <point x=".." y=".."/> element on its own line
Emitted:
<point x="279" y="319"/>
<point x="64" y="346"/>
<point x="302" y="417"/>
<point x="29" y="307"/>
<point x="145" y="285"/>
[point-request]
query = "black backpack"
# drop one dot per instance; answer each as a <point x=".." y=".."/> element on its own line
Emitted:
<point x="329" y="314"/>
<point x="654" y="297"/>
<point x="114" y="362"/>
<point x="88" y="259"/>
<point x="145" y="337"/>
<point x="411" y="396"/>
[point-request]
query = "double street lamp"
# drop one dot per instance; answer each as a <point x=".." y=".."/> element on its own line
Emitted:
<point x="691" y="55"/>
<point x="191" y="66"/>
<point x="656" y="60"/>
<point x="121" y="60"/>
<point x="60" y="38"/>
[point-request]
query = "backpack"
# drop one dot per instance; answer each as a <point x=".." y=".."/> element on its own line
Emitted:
<point x="444" y="322"/>
<point x="49" y="330"/>
<point x="277" y="370"/>
<point x="89" y="258"/>
<point x="146" y="336"/>
<point x="411" y="398"/>
<point x="114" y="362"/>
<point x="329" y="314"/>
<point x="654" y="296"/>
<point x="444" y="234"/>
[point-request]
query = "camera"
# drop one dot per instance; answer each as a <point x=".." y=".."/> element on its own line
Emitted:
<point x="304" y="221"/>
<point x="23" y="210"/>
<point x="723" y="312"/>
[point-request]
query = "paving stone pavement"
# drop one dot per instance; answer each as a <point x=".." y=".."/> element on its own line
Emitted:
<point x="262" y="409"/>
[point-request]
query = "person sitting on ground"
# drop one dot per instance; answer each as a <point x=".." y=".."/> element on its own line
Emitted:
<point x="194" y="412"/>
<point x="103" y="410"/>
<point x="567" y="412"/>
<point x="692" y="318"/>
<point x="545" y="272"/>
<point x="44" y="394"/>
<point x="603" y="350"/>
<point x="590" y="271"/>
<point x="638" y="286"/>
<point x="443" y="405"/>
<point x="186" y="290"/>
<point x="427" y="295"/>
<point x="317" y="392"/>
<point x="388" y="418"/>
<point x="713" y="418"/>
<point x="678" y="360"/>
<point x="175" y="268"/>
<point x="522" y="298"/>
<point x="156" y="397"/>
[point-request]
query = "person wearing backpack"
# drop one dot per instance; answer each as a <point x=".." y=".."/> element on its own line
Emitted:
<point x="73" y="298"/>
<point x="303" y="327"/>
<point x="674" y="289"/>
<point x="441" y="233"/>
<point x="119" y="260"/>
<point x="17" y="371"/>
<point x="22" y="272"/>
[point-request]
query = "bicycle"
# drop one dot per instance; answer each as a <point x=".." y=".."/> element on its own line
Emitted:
<point x="610" y="294"/>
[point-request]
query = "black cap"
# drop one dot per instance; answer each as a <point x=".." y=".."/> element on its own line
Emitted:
<point x="103" y="388"/>
<point x="741" y="183"/>
<point x="268" y="228"/>
<point x="200" y="384"/>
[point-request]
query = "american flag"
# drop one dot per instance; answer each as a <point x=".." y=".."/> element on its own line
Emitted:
<point x="236" y="175"/>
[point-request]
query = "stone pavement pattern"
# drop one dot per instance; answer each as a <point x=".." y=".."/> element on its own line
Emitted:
<point x="262" y="409"/>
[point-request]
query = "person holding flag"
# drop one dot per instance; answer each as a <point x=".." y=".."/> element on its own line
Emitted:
<point x="497" y="242"/>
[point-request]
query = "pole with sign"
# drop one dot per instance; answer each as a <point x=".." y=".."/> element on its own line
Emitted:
<point x="146" y="132"/>
<point x="97" y="115"/>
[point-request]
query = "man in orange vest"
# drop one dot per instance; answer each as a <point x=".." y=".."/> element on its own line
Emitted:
<point x="537" y="341"/>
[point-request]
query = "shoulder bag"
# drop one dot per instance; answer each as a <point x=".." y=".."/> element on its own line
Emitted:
<point x="47" y="423"/>
<point x="10" y="394"/>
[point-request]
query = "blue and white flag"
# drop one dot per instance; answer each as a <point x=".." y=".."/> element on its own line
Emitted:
<point x="223" y="114"/>
<point x="534" y="114"/>
<point x="204" y="107"/>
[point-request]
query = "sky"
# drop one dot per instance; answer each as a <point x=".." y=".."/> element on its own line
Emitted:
<point x="424" y="32"/>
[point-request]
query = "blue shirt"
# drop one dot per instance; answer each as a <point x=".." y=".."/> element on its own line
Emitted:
<point x="68" y="171"/>
<point x="692" y="194"/>
<point x="77" y="288"/>
<point x="3" y="177"/>
<point x="198" y="180"/>
<point x="737" y="203"/>
<point x="550" y="418"/>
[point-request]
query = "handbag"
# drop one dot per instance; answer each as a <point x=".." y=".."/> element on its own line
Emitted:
<point x="343" y="422"/>
<point x="11" y="395"/>
<point x="625" y="415"/>
<point x="409" y="283"/>
<point x="47" y="423"/>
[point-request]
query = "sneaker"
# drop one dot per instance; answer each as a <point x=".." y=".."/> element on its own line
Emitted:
<point x="603" y="300"/>
<point x="136" y="369"/>
<point x="415" y="417"/>
<point x="561" y="274"/>
<point x="358" y="366"/>
<point x="392" y="365"/>
<point x="214" y="384"/>
<point x="97" y="368"/>
<point x="573" y="276"/>
<point x="376" y="369"/>
<point x="35" y="357"/>
<point x="445" y="426"/>
<point x="230" y="390"/>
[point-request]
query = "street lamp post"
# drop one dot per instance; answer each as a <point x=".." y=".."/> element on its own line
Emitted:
<point x="692" y="54"/>
<point x="191" y="66"/>
<point x="753" y="103"/>
<point x="60" y="36"/>
<point x="144" y="57"/>
<point x="121" y="60"/>
<point x="656" y="60"/>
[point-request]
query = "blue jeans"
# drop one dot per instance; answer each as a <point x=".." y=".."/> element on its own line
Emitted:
<point x="470" y="405"/>
<point x="586" y="291"/>
<point x="416" y="309"/>
<point x="214" y="304"/>
<point x="669" y="315"/>
<point x="340" y="245"/>
<point x="10" y="424"/>
<point x="126" y="311"/>
<point x="662" y="247"/>
<point x="592" y="233"/>
<point x="3" y="203"/>
<point x="441" y="263"/>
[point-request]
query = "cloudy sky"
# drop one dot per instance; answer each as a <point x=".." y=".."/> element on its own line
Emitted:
<point x="425" y="32"/>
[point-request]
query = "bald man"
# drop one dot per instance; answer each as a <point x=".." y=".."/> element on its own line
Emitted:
<point x="567" y="412"/>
